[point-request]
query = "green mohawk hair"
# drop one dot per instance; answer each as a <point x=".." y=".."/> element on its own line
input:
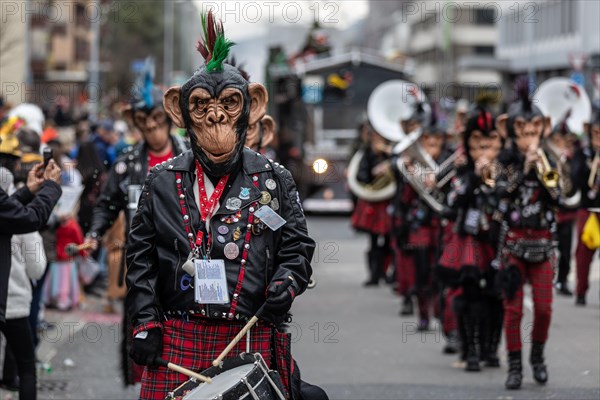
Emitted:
<point x="213" y="45"/>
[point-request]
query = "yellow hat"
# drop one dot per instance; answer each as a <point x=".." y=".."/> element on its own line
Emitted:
<point x="9" y="144"/>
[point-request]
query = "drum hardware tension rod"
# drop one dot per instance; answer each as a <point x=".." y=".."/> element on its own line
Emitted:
<point x="264" y="370"/>
<point x="185" y="371"/>
<point x="250" y="389"/>
<point x="247" y="327"/>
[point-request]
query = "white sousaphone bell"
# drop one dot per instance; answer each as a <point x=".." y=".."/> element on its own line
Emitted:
<point x="558" y="96"/>
<point x="390" y="102"/>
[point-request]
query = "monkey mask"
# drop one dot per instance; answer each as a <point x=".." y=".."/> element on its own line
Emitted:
<point x="217" y="104"/>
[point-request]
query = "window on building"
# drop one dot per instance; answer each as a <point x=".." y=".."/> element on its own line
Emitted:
<point x="80" y="17"/>
<point x="59" y="29"/>
<point x="485" y="16"/>
<point x="82" y="49"/>
<point x="60" y="66"/>
<point x="483" y="50"/>
<point x="567" y="18"/>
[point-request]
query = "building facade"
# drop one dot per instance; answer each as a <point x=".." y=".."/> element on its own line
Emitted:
<point x="551" y="38"/>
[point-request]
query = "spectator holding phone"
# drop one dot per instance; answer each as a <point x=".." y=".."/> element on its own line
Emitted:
<point x="28" y="209"/>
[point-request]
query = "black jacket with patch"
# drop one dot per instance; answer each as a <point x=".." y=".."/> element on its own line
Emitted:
<point x="159" y="244"/>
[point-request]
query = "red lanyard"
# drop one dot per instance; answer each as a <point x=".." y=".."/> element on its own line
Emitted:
<point x="208" y="206"/>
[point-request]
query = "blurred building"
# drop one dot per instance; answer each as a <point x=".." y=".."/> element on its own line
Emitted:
<point x="13" y="51"/>
<point x="551" y="38"/>
<point x="60" y="50"/>
<point x="48" y="51"/>
<point x="452" y="44"/>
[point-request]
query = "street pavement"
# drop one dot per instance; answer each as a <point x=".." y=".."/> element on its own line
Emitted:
<point x="348" y="339"/>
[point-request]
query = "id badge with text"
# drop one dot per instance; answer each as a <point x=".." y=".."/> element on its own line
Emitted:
<point x="210" y="282"/>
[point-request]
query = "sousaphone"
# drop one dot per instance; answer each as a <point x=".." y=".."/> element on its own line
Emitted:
<point x="390" y="103"/>
<point x="559" y="97"/>
<point x="563" y="100"/>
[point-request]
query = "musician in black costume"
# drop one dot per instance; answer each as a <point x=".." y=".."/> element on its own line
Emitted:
<point x="467" y="257"/>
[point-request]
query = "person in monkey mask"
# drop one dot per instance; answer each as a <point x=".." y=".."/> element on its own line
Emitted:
<point x="218" y="210"/>
<point x="528" y="191"/>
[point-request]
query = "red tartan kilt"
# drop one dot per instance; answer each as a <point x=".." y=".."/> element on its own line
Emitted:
<point x="465" y="250"/>
<point x="425" y="236"/>
<point x="372" y="217"/>
<point x="518" y="233"/>
<point x="447" y="233"/>
<point x="194" y="345"/>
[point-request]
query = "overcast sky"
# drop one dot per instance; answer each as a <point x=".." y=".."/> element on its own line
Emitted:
<point x="247" y="19"/>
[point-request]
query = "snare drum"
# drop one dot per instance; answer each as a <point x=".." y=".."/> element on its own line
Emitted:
<point x="244" y="377"/>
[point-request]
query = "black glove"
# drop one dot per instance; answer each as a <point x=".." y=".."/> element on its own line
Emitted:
<point x="146" y="347"/>
<point x="280" y="296"/>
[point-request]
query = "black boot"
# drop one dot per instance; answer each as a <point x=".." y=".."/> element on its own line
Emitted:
<point x="495" y="333"/>
<point x="515" y="371"/>
<point x="373" y="260"/>
<point x="540" y="374"/>
<point x="473" y="356"/>
<point x="580" y="301"/>
<point x="452" y="343"/>
<point x="407" y="306"/>
<point x="563" y="289"/>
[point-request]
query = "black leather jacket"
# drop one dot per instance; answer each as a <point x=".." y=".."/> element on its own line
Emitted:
<point x="581" y="173"/>
<point x="524" y="201"/>
<point x="130" y="168"/>
<point x="159" y="244"/>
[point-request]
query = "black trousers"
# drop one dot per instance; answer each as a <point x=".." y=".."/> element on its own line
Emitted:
<point x="20" y="340"/>
<point x="564" y="235"/>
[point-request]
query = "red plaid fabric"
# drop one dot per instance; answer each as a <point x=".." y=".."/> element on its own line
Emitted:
<point x="425" y="236"/>
<point x="583" y="255"/>
<point x="447" y="232"/>
<point x="465" y="250"/>
<point x="372" y="217"/>
<point x="405" y="270"/>
<point x="194" y="345"/>
<point x="283" y="354"/>
<point x="539" y="277"/>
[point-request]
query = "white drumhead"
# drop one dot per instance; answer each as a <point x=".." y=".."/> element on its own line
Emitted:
<point x="220" y="383"/>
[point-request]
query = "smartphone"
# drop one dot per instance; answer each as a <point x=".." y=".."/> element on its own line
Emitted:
<point x="48" y="154"/>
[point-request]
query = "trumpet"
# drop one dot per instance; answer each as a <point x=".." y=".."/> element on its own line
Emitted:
<point x="489" y="174"/>
<point x="548" y="175"/>
<point x="593" y="178"/>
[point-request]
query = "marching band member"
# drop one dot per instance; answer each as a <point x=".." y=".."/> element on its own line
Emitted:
<point x="528" y="192"/>
<point x="586" y="177"/>
<point x="454" y="163"/>
<point x="372" y="216"/>
<point x="419" y="220"/>
<point x="559" y="147"/>
<point x="468" y="253"/>
<point x="218" y="207"/>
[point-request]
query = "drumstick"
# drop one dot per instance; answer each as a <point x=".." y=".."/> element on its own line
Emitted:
<point x="245" y="329"/>
<point x="185" y="371"/>
<point x="235" y="340"/>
